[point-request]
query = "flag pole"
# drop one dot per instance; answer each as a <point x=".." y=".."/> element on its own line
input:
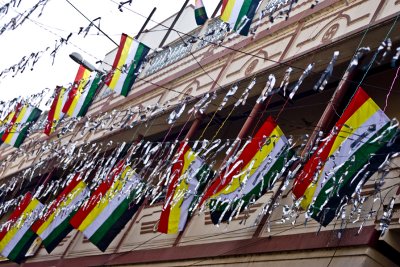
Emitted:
<point x="248" y="124"/>
<point x="216" y="9"/>
<point x="326" y="120"/>
<point x="173" y="24"/>
<point x="145" y="23"/>
<point x="198" y="119"/>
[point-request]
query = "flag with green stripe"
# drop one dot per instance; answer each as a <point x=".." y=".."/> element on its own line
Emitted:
<point x="17" y="129"/>
<point x="200" y="13"/>
<point x="54" y="225"/>
<point x="16" y="237"/>
<point x="239" y="14"/>
<point x="359" y="142"/>
<point x="189" y="176"/>
<point x="107" y="213"/>
<point x="127" y="63"/>
<point x="260" y="164"/>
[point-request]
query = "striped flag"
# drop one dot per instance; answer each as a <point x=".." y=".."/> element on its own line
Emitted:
<point x="127" y="63"/>
<point x="8" y="120"/>
<point x="16" y="236"/>
<point x="86" y="98"/>
<point x="352" y="152"/>
<point x="110" y="208"/>
<point x="200" y="13"/>
<point x="17" y="126"/>
<point x="189" y="176"/>
<point x="54" y="225"/>
<point x="55" y="112"/>
<point x="74" y="100"/>
<point x="259" y="166"/>
<point x="81" y="97"/>
<point x="239" y="14"/>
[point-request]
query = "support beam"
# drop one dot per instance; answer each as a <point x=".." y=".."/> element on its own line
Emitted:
<point x="216" y="9"/>
<point x="145" y="23"/>
<point x="173" y="24"/>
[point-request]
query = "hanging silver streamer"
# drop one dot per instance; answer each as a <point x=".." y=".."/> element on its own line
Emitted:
<point x="245" y="95"/>
<point x="306" y="72"/>
<point x="322" y="82"/>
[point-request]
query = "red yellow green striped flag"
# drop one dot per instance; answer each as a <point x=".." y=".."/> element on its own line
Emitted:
<point x="189" y="175"/>
<point x="110" y="208"/>
<point x="9" y="120"/>
<point x="55" y="112"/>
<point x="127" y="63"/>
<point x="351" y="153"/>
<point x="75" y="94"/>
<point x="259" y="166"/>
<point x="87" y="96"/>
<point x="18" y="125"/>
<point x="54" y="225"/>
<point x="239" y="14"/>
<point x="200" y="13"/>
<point x="16" y="237"/>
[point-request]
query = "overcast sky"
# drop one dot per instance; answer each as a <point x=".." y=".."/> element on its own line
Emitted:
<point x="58" y="20"/>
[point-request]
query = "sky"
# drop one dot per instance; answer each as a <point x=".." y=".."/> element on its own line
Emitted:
<point x="58" y="19"/>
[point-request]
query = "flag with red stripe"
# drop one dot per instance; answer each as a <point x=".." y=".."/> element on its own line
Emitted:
<point x="349" y="155"/>
<point x="189" y="175"/>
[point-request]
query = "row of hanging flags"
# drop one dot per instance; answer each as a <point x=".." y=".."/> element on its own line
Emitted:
<point x="357" y="145"/>
<point x="76" y="100"/>
<point x="100" y="215"/>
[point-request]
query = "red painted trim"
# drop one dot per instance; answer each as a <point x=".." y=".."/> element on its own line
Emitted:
<point x="306" y="241"/>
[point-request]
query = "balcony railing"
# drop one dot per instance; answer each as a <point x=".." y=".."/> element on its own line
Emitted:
<point x="172" y="53"/>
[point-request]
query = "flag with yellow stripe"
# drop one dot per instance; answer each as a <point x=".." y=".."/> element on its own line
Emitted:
<point x="127" y="63"/>
<point x="189" y="175"/>
<point x="16" y="236"/>
<point x="54" y="225"/>
<point x="256" y="170"/>
<point x="349" y="155"/>
<point x="76" y="93"/>
<point x="55" y="113"/>
<point x="18" y="125"/>
<point x="110" y="207"/>
<point x="9" y="120"/>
